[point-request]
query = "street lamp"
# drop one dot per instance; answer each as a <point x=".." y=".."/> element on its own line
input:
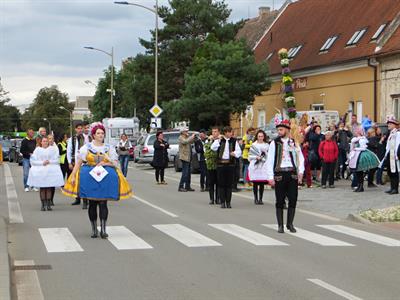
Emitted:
<point x="155" y="11"/>
<point x="70" y="119"/>
<point x="45" y="119"/>
<point x="89" y="82"/>
<point x="111" y="54"/>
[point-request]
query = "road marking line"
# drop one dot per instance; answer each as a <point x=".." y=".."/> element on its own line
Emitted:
<point x="27" y="282"/>
<point x="334" y="289"/>
<point x="187" y="236"/>
<point x="156" y="207"/>
<point x="124" y="239"/>
<point x="372" y="237"/>
<point x="313" y="237"/>
<point x="250" y="236"/>
<point x="59" y="240"/>
<point x="14" y="209"/>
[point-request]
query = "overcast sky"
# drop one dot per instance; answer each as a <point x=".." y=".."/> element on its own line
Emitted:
<point x="41" y="41"/>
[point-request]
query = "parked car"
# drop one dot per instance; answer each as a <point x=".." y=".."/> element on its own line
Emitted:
<point x="15" y="155"/>
<point x="6" y="146"/>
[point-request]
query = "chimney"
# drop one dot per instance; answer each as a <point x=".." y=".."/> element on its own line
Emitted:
<point x="263" y="10"/>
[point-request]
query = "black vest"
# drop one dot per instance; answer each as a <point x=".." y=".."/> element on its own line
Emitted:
<point x="232" y="146"/>
<point x="278" y="154"/>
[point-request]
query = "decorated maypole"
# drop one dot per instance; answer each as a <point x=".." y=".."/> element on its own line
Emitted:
<point x="288" y="94"/>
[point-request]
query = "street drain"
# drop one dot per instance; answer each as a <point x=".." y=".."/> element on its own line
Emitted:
<point x="32" y="268"/>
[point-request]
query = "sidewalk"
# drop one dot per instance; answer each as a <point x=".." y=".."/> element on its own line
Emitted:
<point x="4" y="262"/>
<point x="342" y="201"/>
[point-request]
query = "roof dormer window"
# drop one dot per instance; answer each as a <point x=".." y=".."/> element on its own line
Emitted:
<point x="378" y="32"/>
<point x="293" y="51"/>
<point x="356" y="37"/>
<point x="328" y="44"/>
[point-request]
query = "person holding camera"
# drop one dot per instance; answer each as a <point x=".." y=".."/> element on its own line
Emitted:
<point x="185" y="155"/>
<point x="123" y="151"/>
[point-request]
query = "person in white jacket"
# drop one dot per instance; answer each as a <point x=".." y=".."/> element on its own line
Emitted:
<point x="391" y="160"/>
<point x="45" y="172"/>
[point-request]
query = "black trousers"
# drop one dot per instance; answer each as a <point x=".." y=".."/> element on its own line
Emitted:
<point x="213" y="184"/>
<point x="328" y="173"/>
<point x="286" y="186"/>
<point x="225" y="177"/>
<point x="159" y="173"/>
<point x="103" y="210"/>
<point x="203" y="174"/>
<point x="394" y="177"/>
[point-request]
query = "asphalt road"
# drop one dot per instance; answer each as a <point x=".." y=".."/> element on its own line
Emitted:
<point x="170" y="245"/>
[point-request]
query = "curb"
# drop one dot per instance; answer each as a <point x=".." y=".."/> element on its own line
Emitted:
<point x="358" y="219"/>
<point x="5" y="288"/>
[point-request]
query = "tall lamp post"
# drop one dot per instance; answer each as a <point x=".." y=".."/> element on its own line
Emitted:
<point x="155" y="11"/>
<point x="70" y="119"/>
<point x="111" y="54"/>
<point x="45" y="119"/>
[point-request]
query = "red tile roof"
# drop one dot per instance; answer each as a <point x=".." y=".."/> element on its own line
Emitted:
<point x="311" y="22"/>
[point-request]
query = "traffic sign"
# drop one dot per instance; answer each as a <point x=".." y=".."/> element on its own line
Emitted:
<point x="156" y="110"/>
<point x="155" y="123"/>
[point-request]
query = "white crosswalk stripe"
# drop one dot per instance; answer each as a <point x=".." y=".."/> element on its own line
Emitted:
<point x="372" y="237"/>
<point x="250" y="236"/>
<point x="124" y="239"/>
<point x="313" y="237"/>
<point x="59" y="240"/>
<point x="186" y="236"/>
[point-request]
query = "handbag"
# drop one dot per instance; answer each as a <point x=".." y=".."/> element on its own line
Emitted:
<point x="312" y="156"/>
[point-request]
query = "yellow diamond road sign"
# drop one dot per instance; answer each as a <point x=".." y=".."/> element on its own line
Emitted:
<point x="156" y="111"/>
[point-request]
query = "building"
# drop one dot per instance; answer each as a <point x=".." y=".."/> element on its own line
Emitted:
<point x="81" y="108"/>
<point x="344" y="56"/>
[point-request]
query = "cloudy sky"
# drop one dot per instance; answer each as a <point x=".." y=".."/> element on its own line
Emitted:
<point x="41" y="41"/>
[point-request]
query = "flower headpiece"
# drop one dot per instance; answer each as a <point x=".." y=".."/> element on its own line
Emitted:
<point x="95" y="126"/>
<point x="392" y="119"/>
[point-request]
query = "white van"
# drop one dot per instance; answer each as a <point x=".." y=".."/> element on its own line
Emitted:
<point x="115" y="127"/>
<point x="325" y="118"/>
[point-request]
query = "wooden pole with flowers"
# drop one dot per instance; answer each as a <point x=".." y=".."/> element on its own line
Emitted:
<point x="288" y="94"/>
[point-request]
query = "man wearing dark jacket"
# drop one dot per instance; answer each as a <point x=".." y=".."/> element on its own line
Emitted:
<point x="343" y="139"/>
<point x="28" y="145"/>
<point x="199" y="148"/>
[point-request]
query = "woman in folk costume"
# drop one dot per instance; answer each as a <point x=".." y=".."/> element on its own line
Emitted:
<point x="258" y="168"/>
<point x="391" y="160"/>
<point x="45" y="172"/>
<point x="97" y="178"/>
<point x="361" y="159"/>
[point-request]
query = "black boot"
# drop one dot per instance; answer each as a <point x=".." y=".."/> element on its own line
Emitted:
<point x="290" y="218"/>
<point x="260" y="202"/>
<point x="255" y="198"/>
<point x="228" y="198"/>
<point x="48" y="204"/>
<point x="43" y="206"/>
<point x="103" y="232"/>
<point x="84" y="204"/>
<point x="95" y="231"/>
<point x="77" y="201"/>
<point x="279" y="218"/>
<point x="51" y="202"/>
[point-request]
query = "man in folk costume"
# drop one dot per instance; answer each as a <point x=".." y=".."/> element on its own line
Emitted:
<point x="285" y="169"/>
<point x="227" y="149"/>
<point x="86" y="132"/>
<point x="74" y="143"/>
<point x="391" y="159"/>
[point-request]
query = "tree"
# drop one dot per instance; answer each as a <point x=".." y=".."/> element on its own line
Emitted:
<point x="222" y="80"/>
<point x="100" y="106"/>
<point x="10" y="117"/>
<point x="47" y="105"/>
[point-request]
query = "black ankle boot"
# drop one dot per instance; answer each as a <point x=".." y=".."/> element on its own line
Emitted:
<point x="223" y="205"/>
<point x="77" y="201"/>
<point x="279" y="218"/>
<point x="255" y="200"/>
<point x="290" y="218"/>
<point x="43" y="206"/>
<point x="103" y="232"/>
<point x="48" y="204"/>
<point x="95" y="231"/>
<point x="228" y="205"/>
<point x="85" y="204"/>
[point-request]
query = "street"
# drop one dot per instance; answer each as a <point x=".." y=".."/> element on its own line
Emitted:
<point x="169" y="245"/>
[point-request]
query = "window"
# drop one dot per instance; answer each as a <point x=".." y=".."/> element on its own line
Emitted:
<point x="270" y="55"/>
<point x="378" y="32"/>
<point x="356" y="37"/>
<point x="293" y="51"/>
<point x="317" y="107"/>
<point x="261" y="118"/>
<point x="359" y="111"/>
<point x="328" y="44"/>
<point x="396" y="107"/>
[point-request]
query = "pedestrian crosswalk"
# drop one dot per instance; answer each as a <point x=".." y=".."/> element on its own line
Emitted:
<point x="59" y="240"/>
